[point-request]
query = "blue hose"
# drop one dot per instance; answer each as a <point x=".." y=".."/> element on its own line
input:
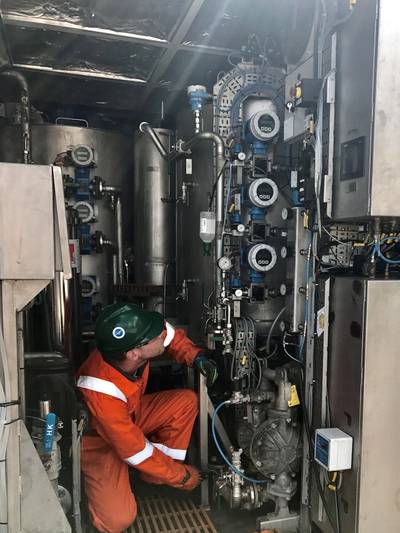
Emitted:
<point x="377" y="251"/>
<point x="231" y="466"/>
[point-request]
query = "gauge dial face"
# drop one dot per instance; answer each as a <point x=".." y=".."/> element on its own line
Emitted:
<point x="284" y="252"/>
<point x="262" y="257"/>
<point x="224" y="263"/>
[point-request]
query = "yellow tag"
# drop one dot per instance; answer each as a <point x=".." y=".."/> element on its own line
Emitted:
<point x="294" y="397"/>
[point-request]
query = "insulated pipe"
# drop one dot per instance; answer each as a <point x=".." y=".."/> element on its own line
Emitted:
<point x="220" y="162"/>
<point x="25" y="112"/>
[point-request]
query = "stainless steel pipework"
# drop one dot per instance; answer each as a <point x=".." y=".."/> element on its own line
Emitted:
<point x="118" y="220"/>
<point x="184" y="147"/>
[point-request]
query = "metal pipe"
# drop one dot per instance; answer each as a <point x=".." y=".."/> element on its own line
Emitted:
<point x="164" y="312"/>
<point x="145" y="127"/>
<point x="115" y="269"/>
<point x="21" y="361"/>
<point x="45" y="408"/>
<point x="25" y="112"/>
<point x="118" y="220"/>
<point x="110" y="189"/>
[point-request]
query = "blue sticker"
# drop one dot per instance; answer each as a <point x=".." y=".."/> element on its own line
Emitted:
<point x="118" y="332"/>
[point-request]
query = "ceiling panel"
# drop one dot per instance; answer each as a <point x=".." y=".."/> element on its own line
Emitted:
<point x="67" y="51"/>
<point x="238" y="19"/>
<point x="155" y="18"/>
<point x="188" y="68"/>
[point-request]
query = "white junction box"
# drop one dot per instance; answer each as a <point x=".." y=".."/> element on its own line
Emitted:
<point x="333" y="449"/>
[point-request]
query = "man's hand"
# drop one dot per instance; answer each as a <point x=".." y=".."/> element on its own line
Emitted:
<point x="191" y="480"/>
<point x="207" y="367"/>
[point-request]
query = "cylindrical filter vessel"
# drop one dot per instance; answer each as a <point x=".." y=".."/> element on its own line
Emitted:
<point x="154" y="212"/>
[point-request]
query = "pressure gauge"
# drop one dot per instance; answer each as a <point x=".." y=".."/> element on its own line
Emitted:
<point x="284" y="252"/>
<point x="241" y="156"/>
<point x="262" y="257"/>
<point x="238" y="293"/>
<point x="82" y="155"/>
<point x="263" y="192"/>
<point x="286" y="214"/>
<point x="241" y="228"/>
<point x="224" y="263"/>
<point x="283" y="289"/>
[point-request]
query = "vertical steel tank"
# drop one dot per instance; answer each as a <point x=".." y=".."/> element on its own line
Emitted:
<point x="113" y="163"/>
<point x="154" y="212"/>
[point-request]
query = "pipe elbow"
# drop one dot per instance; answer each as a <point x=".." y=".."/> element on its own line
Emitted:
<point x="143" y="126"/>
<point x="19" y="78"/>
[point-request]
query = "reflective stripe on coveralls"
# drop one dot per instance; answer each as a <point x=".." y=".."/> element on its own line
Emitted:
<point x="170" y="334"/>
<point x="106" y="387"/>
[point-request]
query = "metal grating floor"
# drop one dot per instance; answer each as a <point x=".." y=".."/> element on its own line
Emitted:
<point x="164" y="515"/>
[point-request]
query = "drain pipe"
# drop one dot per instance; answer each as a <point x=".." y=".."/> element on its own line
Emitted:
<point x="25" y="112"/>
<point x="220" y="162"/>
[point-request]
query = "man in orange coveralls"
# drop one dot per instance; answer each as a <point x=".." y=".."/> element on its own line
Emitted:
<point x="150" y="432"/>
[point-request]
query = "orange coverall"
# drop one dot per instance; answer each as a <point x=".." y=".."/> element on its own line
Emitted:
<point x="149" y="432"/>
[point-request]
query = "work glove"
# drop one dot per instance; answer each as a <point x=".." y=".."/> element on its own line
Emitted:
<point x="191" y="479"/>
<point x="207" y="367"/>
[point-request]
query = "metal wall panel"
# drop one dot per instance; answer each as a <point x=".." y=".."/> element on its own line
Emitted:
<point x="385" y="186"/>
<point x="26" y="222"/>
<point x="379" y="496"/>
<point x="363" y="399"/>
<point x="354" y="94"/>
<point x="367" y="160"/>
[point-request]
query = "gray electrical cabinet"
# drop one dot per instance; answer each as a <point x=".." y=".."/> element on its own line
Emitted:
<point x="367" y="156"/>
<point x="363" y="397"/>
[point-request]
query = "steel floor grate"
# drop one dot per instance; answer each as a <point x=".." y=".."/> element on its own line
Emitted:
<point x="164" y="515"/>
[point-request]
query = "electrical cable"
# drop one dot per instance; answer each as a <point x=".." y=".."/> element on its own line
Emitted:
<point x="333" y="237"/>
<point x="271" y="329"/>
<point x="376" y="250"/>
<point x="216" y="183"/>
<point x="339" y="529"/>
<point x="284" y="344"/>
<point x="231" y="466"/>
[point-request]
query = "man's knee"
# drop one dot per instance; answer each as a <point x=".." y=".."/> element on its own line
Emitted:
<point x="117" y="522"/>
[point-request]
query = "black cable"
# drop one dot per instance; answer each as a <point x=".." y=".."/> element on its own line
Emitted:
<point x="216" y="183"/>
<point x="271" y="329"/>
<point x="339" y="529"/>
